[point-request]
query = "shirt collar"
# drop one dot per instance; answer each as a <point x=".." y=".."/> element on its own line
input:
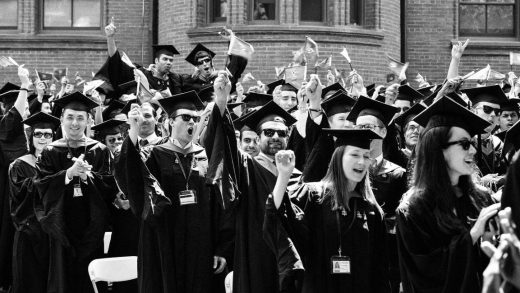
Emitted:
<point x="178" y="144"/>
<point x="150" y="138"/>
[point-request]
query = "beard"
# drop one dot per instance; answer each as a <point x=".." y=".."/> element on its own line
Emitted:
<point x="272" y="146"/>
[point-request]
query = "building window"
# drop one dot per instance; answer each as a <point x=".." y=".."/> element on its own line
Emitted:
<point x="489" y="18"/>
<point x="312" y="10"/>
<point x="218" y="10"/>
<point x="9" y="14"/>
<point x="357" y="11"/>
<point x="72" y="14"/>
<point x="264" y="10"/>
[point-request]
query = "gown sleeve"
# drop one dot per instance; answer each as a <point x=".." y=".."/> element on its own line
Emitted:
<point x="11" y="125"/>
<point x="22" y="194"/>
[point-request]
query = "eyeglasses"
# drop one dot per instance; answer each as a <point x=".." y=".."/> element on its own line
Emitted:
<point x="113" y="139"/>
<point x="412" y="128"/>
<point x="188" y="117"/>
<point x="46" y="135"/>
<point x="368" y="126"/>
<point x="488" y="110"/>
<point x="202" y="61"/>
<point x="271" y="132"/>
<point x="404" y="109"/>
<point x="464" y="143"/>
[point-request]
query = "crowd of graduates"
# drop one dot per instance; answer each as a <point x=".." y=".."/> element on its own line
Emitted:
<point x="298" y="185"/>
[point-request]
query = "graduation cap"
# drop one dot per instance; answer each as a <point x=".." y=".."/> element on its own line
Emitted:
<point x="42" y="120"/>
<point x="366" y="106"/>
<point x="9" y="87"/>
<point x="333" y="88"/>
<point x="427" y="90"/>
<point x="288" y="88"/>
<point x="510" y="105"/>
<point x="32" y="97"/>
<point x="126" y="108"/>
<point x="381" y="98"/>
<point x="231" y="106"/>
<point x="446" y="112"/>
<point x="198" y="52"/>
<point x="340" y="102"/>
<point x="512" y="136"/>
<point x="129" y="87"/>
<point x="403" y="119"/>
<point x="371" y="89"/>
<point x="253" y="100"/>
<point x="270" y="112"/>
<point x="407" y="93"/>
<point x="239" y="122"/>
<point x="188" y="100"/>
<point x="76" y="101"/>
<point x="164" y="49"/>
<point x="360" y="138"/>
<point x="453" y="95"/>
<point x="271" y="86"/>
<point x="491" y="94"/>
<point x="206" y="93"/>
<point x="114" y="105"/>
<point x="109" y="127"/>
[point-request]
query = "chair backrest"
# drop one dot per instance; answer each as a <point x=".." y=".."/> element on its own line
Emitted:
<point x="106" y="241"/>
<point x="113" y="269"/>
<point x="228" y="282"/>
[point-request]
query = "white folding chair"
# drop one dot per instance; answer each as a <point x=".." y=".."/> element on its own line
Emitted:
<point x="106" y="241"/>
<point x="112" y="269"/>
<point x="228" y="282"/>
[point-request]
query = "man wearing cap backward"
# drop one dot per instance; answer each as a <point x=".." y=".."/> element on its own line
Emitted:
<point x="74" y="182"/>
<point x="182" y="243"/>
<point x="388" y="179"/>
<point x="247" y="182"/>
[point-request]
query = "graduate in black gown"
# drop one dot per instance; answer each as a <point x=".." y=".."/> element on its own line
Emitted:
<point x="440" y="221"/>
<point x="336" y="224"/>
<point x="181" y="242"/>
<point x="30" y="247"/>
<point x="75" y="185"/>
<point x="248" y="181"/>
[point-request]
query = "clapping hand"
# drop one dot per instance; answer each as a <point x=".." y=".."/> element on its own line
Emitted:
<point x="80" y="168"/>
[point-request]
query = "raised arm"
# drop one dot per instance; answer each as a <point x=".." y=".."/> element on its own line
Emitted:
<point x="110" y="32"/>
<point x="456" y="54"/>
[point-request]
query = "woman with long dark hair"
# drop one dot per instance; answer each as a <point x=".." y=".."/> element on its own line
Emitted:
<point x="30" y="248"/>
<point x="442" y="217"/>
<point x="339" y="231"/>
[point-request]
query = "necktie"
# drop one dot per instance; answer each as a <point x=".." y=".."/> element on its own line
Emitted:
<point x="143" y="142"/>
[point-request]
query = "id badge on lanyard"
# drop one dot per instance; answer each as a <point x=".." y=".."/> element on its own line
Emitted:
<point x="340" y="264"/>
<point x="188" y="196"/>
<point x="77" y="190"/>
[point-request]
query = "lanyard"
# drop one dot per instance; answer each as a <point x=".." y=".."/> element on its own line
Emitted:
<point x="349" y="226"/>
<point x="182" y="168"/>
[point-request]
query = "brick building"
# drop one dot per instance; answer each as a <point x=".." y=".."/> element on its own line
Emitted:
<point x="45" y="34"/>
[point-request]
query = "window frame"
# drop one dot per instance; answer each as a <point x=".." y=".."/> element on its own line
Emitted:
<point x="12" y="27"/>
<point x="71" y="28"/>
<point x="211" y="18"/>
<point x="251" y="11"/>
<point x="487" y="3"/>
<point x="324" y="5"/>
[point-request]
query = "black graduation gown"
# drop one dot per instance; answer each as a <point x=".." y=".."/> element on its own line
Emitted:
<point x="320" y="148"/>
<point x="75" y="225"/>
<point x="314" y="228"/>
<point x="30" y="248"/>
<point x="296" y="143"/>
<point x="176" y="243"/>
<point x="255" y="265"/>
<point x="433" y="261"/>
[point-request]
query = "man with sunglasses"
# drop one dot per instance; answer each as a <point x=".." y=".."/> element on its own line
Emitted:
<point x="245" y="183"/>
<point x="202" y="58"/>
<point x="182" y="239"/>
<point x="388" y="179"/>
<point x="486" y="103"/>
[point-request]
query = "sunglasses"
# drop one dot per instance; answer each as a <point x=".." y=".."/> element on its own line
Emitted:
<point x="46" y="135"/>
<point x="271" y="132"/>
<point x="464" y="143"/>
<point x="188" y="117"/>
<point x="404" y="109"/>
<point x="202" y="61"/>
<point x="488" y="110"/>
<point x="113" y="139"/>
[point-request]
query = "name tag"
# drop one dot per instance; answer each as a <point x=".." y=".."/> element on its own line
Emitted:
<point x="77" y="190"/>
<point x="187" y="197"/>
<point x="340" y="264"/>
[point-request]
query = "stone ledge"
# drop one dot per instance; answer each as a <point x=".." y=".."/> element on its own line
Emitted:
<point x="291" y="33"/>
<point x="62" y="42"/>
<point x="490" y="46"/>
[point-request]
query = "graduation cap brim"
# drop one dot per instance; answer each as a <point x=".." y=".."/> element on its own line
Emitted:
<point x="491" y="94"/>
<point x="360" y="138"/>
<point x="407" y="116"/>
<point x="238" y="123"/>
<point x="231" y="106"/>
<point x="112" y="106"/>
<point x="333" y="87"/>
<point x="340" y="102"/>
<point x="9" y="87"/>
<point x="44" y="119"/>
<point x="426" y="91"/>
<point x="270" y="112"/>
<point x="271" y="86"/>
<point x="289" y="87"/>
<point x="367" y="106"/>
<point x="188" y="100"/>
<point x="164" y="49"/>
<point x="129" y="87"/>
<point x="447" y="112"/>
<point x="407" y="93"/>
<point x="76" y="101"/>
<point x="109" y="125"/>
<point x="9" y="97"/>
<point x="371" y="89"/>
<point x="510" y="105"/>
<point x="255" y="99"/>
<point x="191" y="58"/>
